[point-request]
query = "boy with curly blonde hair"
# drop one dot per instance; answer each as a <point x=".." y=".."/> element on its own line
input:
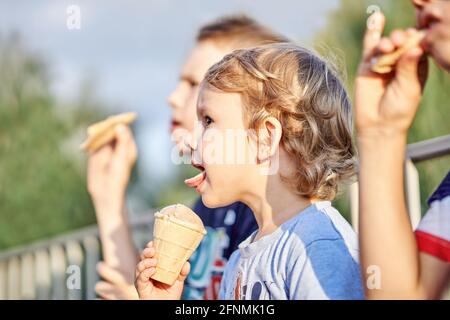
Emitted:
<point x="299" y="116"/>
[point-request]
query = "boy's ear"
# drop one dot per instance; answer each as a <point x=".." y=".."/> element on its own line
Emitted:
<point x="269" y="137"/>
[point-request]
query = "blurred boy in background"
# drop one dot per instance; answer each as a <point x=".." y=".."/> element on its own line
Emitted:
<point x="295" y="118"/>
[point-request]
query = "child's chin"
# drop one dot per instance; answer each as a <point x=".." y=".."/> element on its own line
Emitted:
<point x="212" y="201"/>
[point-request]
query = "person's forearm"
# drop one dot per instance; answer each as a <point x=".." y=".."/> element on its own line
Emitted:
<point x="118" y="247"/>
<point x="435" y="275"/>
<point x="386" y="236"/>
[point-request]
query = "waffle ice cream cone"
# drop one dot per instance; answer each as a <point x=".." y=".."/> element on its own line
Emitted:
<point x="385" y="63"/>
<point x="102" y="132"/>
<point x="177" y="233"/>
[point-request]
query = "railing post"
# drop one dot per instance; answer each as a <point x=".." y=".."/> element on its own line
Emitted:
<point x="58" y="272"/>
<point x="3" y="280"/>
<point x="412" y="190"/>
<point x="92" y="249"/>
<point x="27" y="281"/>
<point x="75" y="265"/>
<point x="14" y="278"/>
<point x="43" y="279"/>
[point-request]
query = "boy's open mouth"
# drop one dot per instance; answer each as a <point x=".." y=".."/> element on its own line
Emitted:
<point x="197" y="180"/>
<point x="174" y="124"/>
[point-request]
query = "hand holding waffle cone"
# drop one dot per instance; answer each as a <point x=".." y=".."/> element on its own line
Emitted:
<point x="102" y="133"/>
<point x="163" y="267"/>
<point x="385" y="63"/>
<point x="385" y="102"/>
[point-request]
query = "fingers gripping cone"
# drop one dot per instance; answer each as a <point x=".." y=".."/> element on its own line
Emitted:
<point x="385" y="63"/>
<point x="177" y="233"/>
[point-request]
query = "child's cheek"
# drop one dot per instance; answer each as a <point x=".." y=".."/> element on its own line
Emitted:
<point x="211" y="146"/>
<point x="233" y="180"/>
<point x="221" y="180"/>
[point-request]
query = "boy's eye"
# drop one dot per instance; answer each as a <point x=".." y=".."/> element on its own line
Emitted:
<point x="207" y="121"/>
<point x="192" y="83"/>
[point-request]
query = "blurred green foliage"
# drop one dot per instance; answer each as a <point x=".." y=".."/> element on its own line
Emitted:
<point x="343" y="37"/>
<point x="42" y="173"/>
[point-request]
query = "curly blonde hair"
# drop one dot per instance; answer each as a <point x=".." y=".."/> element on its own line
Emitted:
<point x="306" y="95"/>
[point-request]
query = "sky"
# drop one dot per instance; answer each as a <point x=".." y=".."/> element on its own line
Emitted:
<point x="134" y="51"/>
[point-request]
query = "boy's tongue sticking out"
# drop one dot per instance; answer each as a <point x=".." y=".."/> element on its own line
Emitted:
<point x="197" y="180"/>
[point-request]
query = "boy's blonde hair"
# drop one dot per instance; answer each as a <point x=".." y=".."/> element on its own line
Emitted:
<point x="305" y="94"/>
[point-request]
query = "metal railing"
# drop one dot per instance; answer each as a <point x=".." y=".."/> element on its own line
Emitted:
<point x="44" y="270"/>
<point x="415" y="153"/>
<point x="63" y="267"/>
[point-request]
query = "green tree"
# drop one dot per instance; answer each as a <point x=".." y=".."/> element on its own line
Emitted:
<point x="42" y="173"/>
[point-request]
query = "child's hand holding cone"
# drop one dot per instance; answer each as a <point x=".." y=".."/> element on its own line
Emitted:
<point x="148" y="288"/>
<point x="163" y="267"/>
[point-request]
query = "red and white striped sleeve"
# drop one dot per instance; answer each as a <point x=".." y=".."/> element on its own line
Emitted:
<point x="433" y="232"/>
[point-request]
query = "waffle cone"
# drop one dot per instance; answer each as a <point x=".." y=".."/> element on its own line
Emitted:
<point x="103" y="132"/>
<point x="385" y="63"/>
<point x="177" y="233"/>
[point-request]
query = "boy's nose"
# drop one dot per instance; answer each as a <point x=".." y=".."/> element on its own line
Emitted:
<point x="194" y="140"/>
<point x="195" y="143"/>
<point x="177" y="98"/>
<point x="173" y="101"/>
